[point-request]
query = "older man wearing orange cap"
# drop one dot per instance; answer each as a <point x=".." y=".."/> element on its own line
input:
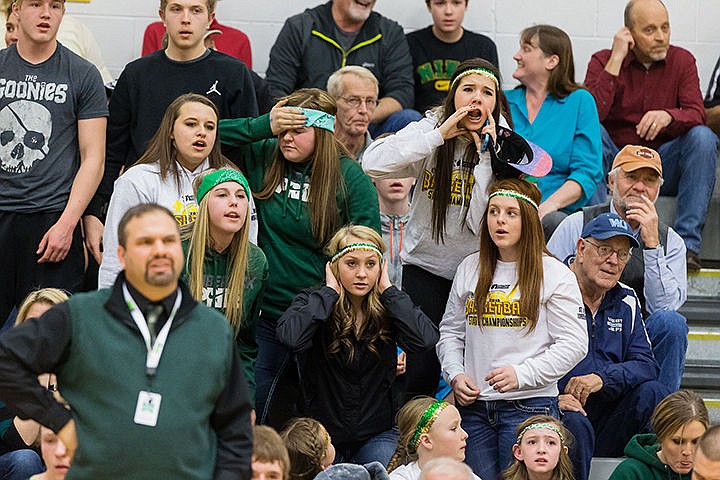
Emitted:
<point x="656" y="271"/>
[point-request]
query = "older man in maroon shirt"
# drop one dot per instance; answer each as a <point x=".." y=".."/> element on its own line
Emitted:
<point x="648" y="93"/>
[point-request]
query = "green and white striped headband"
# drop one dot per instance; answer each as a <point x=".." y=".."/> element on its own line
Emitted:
<point x="356" y="246"/>
<point x="480" y="71"/>
<point x="513" y="194"/>
<point x="537" y="426"/>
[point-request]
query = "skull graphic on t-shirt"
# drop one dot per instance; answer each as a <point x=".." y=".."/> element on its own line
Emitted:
<point x="25" y="129"/>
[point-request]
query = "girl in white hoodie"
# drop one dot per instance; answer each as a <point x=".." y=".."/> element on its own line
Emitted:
<point x="183" y="147"/>
<point x="514" y="325"/>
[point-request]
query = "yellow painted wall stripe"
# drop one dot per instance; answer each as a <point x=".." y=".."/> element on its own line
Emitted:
<point x="704" y="336"/>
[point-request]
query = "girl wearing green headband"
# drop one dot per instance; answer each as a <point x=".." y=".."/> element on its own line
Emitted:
<point x="306" y="188"/>
<point x="429" y="429"/>
<point x="184" y="145"/>
<point x="223" y="268"/>
<point x="348" y="332"/>
<point x="446" y="153"/>
<point x="541" y="437"/>
<point x="514" y="326"/>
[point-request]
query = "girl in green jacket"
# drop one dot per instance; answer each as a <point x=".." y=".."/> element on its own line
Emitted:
<point x="231" y="272"/>
<point x="306" y="187"/>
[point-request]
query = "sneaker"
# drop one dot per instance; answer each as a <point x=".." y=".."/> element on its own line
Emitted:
<point x="693" y="261"/>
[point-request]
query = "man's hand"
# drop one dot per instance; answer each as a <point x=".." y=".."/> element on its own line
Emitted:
<point x="94" y="229"/>
<point x="581" y="387"/>
<point x="651" y="123"/>
<point x="568" y="403"/>
<point x="68" y="436"/>
<point x="623" y="42"/>
<point x="465" y="390"/>
<point x="503" y="379"/>
<point x="56" y="242"/>
<point x="644" y="213"/>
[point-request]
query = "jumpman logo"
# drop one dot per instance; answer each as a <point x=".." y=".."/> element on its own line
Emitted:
<point x="213" y="89"/>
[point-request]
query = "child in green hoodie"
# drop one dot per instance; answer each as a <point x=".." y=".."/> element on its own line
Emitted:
<point x="306" y="187"/>
<point x="679" y="420"/>
<point x="232" y="274"/>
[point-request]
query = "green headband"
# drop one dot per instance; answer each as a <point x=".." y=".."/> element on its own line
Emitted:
<point x="318" y="118"/>
<point x="356" y="246"/>
<point x="212" y="180"/>
<point x="480" y="71"/>
<point x="427" y="420"/>
<point x="536" y="426"/>
<point x="513" y="194"/>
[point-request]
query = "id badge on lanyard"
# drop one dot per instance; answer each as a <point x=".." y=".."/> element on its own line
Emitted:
<point x="147" y="409"/>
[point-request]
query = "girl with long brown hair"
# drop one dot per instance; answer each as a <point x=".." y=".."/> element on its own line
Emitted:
<point x="183" y="147"/>
<point x="348" y="332"/>
<point x="514" y="325"/>
<point x="541" y="451"/>
<point x="446" y="153"/>
<point x="307" y="187"/>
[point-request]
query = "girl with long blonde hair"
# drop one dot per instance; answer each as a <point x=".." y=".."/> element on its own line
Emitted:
<point x="222" y="268"/>
<point x="307" y="187"/>
<point x="348" y="332"/>
<point x="514" y="325"/>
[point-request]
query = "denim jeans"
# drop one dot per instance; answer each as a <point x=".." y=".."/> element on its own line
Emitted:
<point x="688" y="163"/>
<point x="20" y="464"/>
<point x="379" y="448"/>
<point x="273" y="360"/>
<point x="610" y="424"/>
<point x="668" y="333"/>
<point x="393" y="123"/>
<point x="491" y="426"/>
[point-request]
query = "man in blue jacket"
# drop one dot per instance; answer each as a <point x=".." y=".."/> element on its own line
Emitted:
<point x="315" y="43"/>
<point x="611" y="394"/>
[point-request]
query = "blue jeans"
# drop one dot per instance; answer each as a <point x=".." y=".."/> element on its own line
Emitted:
<point x="688" y="163"/>
<point x="491" y="426"/>
<point x="20" y="464"/>
<point x="273" y="359"/>
<point x="393" y="123"/>
<point x="379" y="448"/>
<point x="610" y="424"/>
<point x="668" y="333"/>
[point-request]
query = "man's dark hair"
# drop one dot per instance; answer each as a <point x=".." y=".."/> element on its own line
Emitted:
<point x="138" y="211"/>
<point x="709" y="443"/>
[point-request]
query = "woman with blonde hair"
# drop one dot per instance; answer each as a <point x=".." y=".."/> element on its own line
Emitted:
<point x="223" y="269"/>
<point x="184" y="145"/>
<point x="306" y="188"/>
<point x="348" y="332"/>
<point x="679" y="421"/>
<point x="429" y="429"/>
<point x="514" y="325"/>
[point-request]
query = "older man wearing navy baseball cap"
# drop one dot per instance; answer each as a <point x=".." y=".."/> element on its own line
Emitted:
<point x="611" y="394"/>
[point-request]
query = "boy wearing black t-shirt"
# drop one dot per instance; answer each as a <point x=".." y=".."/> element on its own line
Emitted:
<point x="437" y="50"/>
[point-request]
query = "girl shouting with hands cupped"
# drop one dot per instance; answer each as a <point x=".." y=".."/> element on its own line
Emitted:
<point x="447" y="152"/>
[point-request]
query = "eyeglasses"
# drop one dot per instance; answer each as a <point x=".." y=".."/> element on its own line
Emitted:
<point x="604" y="251"/>
<point x="356" y="101"/>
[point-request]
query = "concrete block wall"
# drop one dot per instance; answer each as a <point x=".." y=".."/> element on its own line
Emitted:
<point x="119" y="25"/>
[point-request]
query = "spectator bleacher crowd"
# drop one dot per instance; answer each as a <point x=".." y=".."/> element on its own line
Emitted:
<point x="374" y="262"/>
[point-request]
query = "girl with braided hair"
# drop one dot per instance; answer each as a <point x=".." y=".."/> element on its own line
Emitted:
<point x="429" y="429"/>
<point x="309" y="446"/>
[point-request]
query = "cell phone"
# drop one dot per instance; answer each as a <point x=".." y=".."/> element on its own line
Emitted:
<point x="486" y="138"/>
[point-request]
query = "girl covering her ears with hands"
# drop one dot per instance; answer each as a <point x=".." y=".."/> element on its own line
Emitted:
<point x="306" y="188"/>
<point x="447" y="153"/>
<point x="514" y="325"/>
<point x="348" y="331"/>
<point x="541" y="451"/>
<point x="429" y="429"/>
